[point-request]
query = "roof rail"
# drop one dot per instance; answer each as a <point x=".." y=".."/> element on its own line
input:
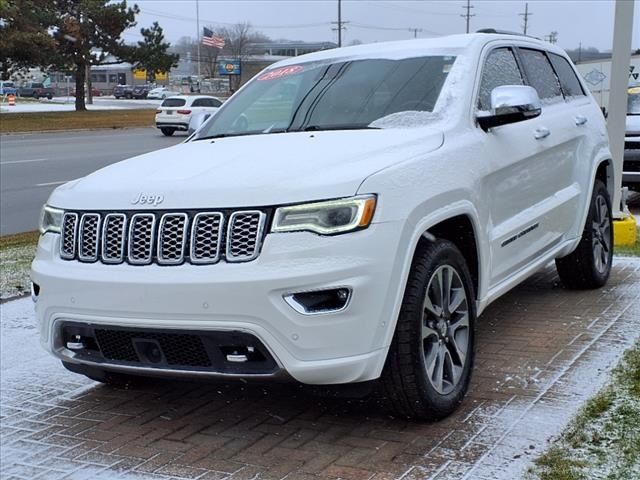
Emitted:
<point x="504" y="32"/>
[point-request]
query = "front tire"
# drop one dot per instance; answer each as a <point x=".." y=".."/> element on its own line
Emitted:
<point x="167" y="132"/>
<point x="428" y="367"/>
<point x="589" y="265"/>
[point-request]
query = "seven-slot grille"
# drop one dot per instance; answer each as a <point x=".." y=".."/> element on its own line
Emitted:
<point x="164" y="238"/>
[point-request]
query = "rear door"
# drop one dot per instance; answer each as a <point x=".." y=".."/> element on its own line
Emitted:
<point x="565" y="117"/>
<point x="585" y="120"/>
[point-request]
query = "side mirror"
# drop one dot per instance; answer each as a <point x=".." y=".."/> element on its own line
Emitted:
<point x="197" y="121"/>
<point x="511" y="104"/>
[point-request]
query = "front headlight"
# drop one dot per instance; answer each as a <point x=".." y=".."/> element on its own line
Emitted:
<point x="326" y="218"/>
<point x="51" y="219"/>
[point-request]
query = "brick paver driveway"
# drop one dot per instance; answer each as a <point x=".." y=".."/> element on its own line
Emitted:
<point x="541" y="351"/>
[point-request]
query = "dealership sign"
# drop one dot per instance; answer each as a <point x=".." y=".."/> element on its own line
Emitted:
<point x="229" y="67"/>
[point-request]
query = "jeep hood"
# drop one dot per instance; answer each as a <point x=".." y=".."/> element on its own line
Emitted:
<point x="248" y="171"/>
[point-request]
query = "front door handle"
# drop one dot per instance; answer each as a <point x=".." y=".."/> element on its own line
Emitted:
<point x="541" y="133"/>
<point x="580" y="120"/>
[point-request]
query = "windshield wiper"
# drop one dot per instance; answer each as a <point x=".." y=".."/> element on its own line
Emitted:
<point x="346" y="126"/>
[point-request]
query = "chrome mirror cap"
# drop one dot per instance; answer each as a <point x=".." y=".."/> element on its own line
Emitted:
<point x="515" y="98"/>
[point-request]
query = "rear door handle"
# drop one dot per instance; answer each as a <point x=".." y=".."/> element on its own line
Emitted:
<point x="580" y="120"/>
<point x="541" y="133"/>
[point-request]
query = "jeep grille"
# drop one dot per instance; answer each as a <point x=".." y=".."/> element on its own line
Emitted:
<point x="169" y="238"/>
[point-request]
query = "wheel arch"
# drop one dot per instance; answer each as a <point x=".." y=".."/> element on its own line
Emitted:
<point x="460" y="231"/>
<point x="604" y="172"/>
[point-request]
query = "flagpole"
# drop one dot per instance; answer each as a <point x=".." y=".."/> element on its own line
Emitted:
<point x="198" y="36"/>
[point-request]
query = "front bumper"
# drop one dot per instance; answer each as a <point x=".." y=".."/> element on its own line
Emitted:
<point x="328" y="348"/>
<point x="631" y="165"/>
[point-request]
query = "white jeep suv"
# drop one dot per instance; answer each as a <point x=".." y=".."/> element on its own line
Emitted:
<point x="343" y="218"/>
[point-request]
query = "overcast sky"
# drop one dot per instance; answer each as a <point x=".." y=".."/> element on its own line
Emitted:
<point x="586" y="21"/>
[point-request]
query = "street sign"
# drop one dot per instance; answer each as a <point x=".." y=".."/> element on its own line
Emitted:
<point x="229" y="67"/>
<point x="594" y="77"/>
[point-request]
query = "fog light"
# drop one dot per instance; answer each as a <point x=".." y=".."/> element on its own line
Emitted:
<point x="319" y="301"/>
<point x="75" y="343"/>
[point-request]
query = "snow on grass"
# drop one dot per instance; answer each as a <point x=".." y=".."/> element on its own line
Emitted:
<point x="16" y="254"/>
<point x="61" y="104"/>
<point x="603" y="441"/>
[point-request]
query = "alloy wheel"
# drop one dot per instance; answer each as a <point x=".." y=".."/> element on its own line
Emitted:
<point x="601" y="235"/>
<point x="445" y="329"/>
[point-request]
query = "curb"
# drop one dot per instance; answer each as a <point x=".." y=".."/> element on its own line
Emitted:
<point x="108" y="129"/>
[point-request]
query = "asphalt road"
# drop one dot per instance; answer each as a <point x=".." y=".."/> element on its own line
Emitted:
<point x="32" y="165"/>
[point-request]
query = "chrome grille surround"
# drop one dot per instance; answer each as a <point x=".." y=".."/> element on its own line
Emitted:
<point x="141" y="238"/>
<point x="163" y="237"/>
<point x="68" y="236"/>
<point x="244" y="235"/>
<point x="113" y="237"/>
<point x="88" y="237"/>
<point x="206" y="237"/>
<point x="172" y="237"/>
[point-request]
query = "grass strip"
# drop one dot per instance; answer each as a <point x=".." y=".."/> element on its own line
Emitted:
<point x="44" y="121"/>
<point x="603" y="440"/>
<point x="632" y="251"/>
<point x="16" y="253"/>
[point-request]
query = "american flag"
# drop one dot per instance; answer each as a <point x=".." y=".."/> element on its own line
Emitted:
<point x="211" y="40"/>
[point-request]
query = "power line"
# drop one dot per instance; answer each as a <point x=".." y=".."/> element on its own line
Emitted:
<point x="526" y="16"/>
<point x="393" y="29"/>
<point x="183" y="18"/>
<point x="468" y="15"/>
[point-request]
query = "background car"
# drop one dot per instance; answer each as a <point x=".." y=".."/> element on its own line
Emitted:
<point x="35" y="90"/>
<point x="161" y="93"/>
<point x="631" y="166"/>
<point x="175" y="112"/>
<point x="123" y="91"/>
<point x="8" y="88"/>
<point x="94" y="92"/>
<point x="140" y="91"/>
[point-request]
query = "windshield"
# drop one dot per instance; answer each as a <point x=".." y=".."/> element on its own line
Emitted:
<point x="330" y="95"/>
<point x="633" y="101"/>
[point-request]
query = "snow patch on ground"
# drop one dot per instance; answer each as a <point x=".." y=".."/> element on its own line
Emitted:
<point x="62" y="104"/>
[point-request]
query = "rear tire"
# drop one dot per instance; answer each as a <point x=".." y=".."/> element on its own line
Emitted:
<point x="429" y="364"/>
<point x="168" y="131"/>
<point x="589" y="265"/>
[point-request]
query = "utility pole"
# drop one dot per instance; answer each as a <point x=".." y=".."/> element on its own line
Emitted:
<point x="579" y="52"/>
<point x="468" y="15"/>
<point x="340" y="25"/>
<point x="552" y="37"/>
<point x="198" y="35"/>
<point x="415" y="31"/>
<point x="526" y="16"/>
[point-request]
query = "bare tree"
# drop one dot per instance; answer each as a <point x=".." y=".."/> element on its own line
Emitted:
<point x="238" y="39"/>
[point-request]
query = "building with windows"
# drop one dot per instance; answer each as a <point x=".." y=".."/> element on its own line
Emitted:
<point x="288" y="49"/>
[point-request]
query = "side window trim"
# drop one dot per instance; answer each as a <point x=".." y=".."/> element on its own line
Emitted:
<point x="544" y="53"/>
<point x="512" y="49"/>
<point x="558" y="76"/>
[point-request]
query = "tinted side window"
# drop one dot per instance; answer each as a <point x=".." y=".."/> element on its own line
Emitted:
<point x="500" y="68"/>
<point x="200" y="102"/>
<point x="215" y="102"/>
<point x="540" y="74"/>
<point x="570" y="83"/>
